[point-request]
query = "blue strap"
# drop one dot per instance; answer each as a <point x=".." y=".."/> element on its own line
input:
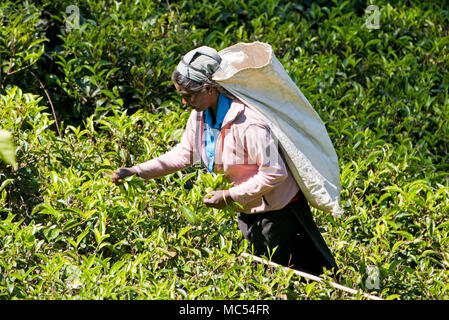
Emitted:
<point x="211" y="129"/>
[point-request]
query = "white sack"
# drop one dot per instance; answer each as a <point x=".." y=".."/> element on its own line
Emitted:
<point x="252" y="73"/>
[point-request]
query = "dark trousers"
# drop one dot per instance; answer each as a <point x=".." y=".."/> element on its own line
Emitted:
<point x="292" y="230"/>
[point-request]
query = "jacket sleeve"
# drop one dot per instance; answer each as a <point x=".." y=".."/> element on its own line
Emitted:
<point x="180" y="157"/>
<point x="261" y="149"/>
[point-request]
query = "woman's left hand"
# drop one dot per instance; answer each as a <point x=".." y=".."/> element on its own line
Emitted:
<point x="218" y="199"/>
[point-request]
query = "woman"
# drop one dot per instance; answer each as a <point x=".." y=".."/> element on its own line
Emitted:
<point x="229" y="137"/>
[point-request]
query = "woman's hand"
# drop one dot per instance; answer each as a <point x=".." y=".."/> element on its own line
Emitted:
<point x="218" y="199"/>
<point x="121" y="173"/>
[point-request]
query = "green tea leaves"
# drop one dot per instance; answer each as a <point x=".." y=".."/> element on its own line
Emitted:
<point x="7" y="148"/>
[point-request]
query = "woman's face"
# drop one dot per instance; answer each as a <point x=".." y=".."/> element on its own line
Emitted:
<point x="199" y="101"/>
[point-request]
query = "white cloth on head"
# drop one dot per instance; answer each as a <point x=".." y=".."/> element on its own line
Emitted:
<point x="199" y="64"/>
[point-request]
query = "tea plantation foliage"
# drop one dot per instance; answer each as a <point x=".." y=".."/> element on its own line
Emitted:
<point x="67" y="232"/>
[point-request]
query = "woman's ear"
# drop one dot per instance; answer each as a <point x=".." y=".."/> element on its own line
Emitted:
<point x="207" y="88"/>
<point x="210" y="89"/>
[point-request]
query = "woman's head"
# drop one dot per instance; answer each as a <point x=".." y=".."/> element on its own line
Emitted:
<point x="199" y="64"/>
<point x="196" y="96"/>
<point x="193" y="78"/>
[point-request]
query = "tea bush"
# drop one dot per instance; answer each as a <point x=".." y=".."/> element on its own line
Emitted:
<point x="67" y="232"/>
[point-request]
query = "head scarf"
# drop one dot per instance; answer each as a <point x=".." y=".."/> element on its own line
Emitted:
<point x="199" y="64"/>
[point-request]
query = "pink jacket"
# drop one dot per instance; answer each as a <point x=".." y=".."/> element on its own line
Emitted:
<point x="245" y="152"/>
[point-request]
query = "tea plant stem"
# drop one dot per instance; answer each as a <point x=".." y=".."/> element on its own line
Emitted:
<point x="169" y="7"/>
<point x="49" y="100"/>
<point x="309" y="276"/>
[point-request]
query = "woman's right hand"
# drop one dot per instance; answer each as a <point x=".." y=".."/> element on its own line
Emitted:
<point x="121" y="173"/>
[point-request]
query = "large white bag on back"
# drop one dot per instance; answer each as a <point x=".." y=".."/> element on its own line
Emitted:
<point x="252" y="73"/>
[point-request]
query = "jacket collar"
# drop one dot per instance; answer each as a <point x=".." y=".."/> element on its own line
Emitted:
<point x="234" y="111"/>
<point x="237" y="107"/>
